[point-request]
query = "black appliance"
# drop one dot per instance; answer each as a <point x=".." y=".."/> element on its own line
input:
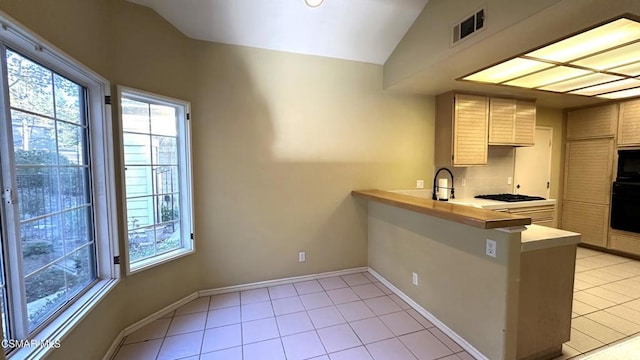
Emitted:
<point x="625" y="195"/>
<point x="509" y="197"/>
<point x="628" y="166"/>
<point x="625" y="206"/>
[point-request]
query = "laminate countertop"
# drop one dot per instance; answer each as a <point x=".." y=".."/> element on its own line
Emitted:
<point x="476" y="217"/>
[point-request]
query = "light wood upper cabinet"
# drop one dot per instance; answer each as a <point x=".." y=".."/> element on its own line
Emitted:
<point x="462" y="125"/>
<point x="588" y="167"/>
<point x="512" y="122"/>
<point x="593" y="122"/>
<point x="502" y="121"/>
<point x="629" y="124"/>
<point x="525" y="127"/>
<point x="470" y="130"/>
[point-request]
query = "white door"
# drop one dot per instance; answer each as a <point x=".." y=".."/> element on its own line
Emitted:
<point x="532" y="174"/>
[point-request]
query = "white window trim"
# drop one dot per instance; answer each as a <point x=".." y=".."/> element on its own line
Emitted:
<point x="186" y="178"/>
<point x="105" y="202"/>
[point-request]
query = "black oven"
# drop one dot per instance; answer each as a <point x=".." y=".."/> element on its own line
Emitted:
<point x="628" y="166"/>
<point x="625" y="206"/>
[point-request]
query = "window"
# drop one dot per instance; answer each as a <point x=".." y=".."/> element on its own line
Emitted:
<point x="57" y="219"/>
<point x="157" y="176"/>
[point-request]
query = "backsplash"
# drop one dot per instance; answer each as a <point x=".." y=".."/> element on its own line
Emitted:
<point x="490" y="179"/>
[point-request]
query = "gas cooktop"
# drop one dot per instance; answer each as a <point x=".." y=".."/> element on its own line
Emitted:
<point x="509" y="197"/>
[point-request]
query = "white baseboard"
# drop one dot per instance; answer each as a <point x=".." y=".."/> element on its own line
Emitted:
<point x="202" y="293"/>
<point x="145" y="321"/>
<point x="284" y="281"/>
<point x="439" y="324"/>
<point x="111" y="352"/>
<point x="158" y="314"/>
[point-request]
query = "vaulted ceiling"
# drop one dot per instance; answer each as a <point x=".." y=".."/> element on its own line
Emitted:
<point x="360" y="30"/>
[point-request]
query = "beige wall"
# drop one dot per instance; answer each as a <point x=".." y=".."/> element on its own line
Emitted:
<point x="279" y="140"/>
<point x="553" y="118"/>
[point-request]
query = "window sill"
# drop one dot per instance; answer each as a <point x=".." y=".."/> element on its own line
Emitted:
<point x="159" y="260"/>
<point x="63" y="324"/>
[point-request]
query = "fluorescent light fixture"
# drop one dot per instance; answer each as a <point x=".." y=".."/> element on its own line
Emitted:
<point x="629" y="70"/>
<point x="508" y="70"/>
<point x="581" y="82"/>
<point x="602" y="61"/>
<point x="554" y="74"/>
<point x="613" y="58"/>
<point x="608" y="87"/>
<point x="622" y="94"/>
<point x="603" y="37"/>
<point x="313" y="3"/>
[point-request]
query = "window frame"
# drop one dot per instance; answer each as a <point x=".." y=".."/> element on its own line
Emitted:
<point x="100" y="137"/>
<point x="185" y="178"/>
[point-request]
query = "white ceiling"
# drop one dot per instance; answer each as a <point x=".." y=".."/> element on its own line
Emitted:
<point x="360" y="30"/>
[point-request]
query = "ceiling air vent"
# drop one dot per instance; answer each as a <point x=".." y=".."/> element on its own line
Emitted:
<point x="468" y="26"/>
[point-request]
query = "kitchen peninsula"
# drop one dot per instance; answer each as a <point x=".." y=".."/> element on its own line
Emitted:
<point x="514" y="303"/>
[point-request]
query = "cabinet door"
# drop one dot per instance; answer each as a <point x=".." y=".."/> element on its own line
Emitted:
<point x="502" y="118"/>
<point x="588" y="166"/>
<point x="470" y="133"/>
<point x="592" y="122"/>
<point x="536" y="213"/>
<point x="525" y="123"/>
<point x="629" y="126"/>
<point x="624" y="241"/>
<point x="590" y="220"/>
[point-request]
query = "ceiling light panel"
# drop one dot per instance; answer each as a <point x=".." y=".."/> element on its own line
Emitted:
<point x="608" y="87"/>
<point x="604" y="37"/>
<point x="555" y="74"/>
<point x="508" y="70"/>
<point x="629" y="70"/>
<point x="581" y="82"/>
<point x="613" y="58"/>
<point x="603" y="62"/>
<point x="622" y="94"/>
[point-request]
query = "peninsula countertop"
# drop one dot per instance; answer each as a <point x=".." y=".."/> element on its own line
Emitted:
<point x="480" y="218"/>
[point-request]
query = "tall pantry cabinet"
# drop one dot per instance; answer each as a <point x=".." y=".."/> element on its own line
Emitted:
<point x="628" y="137"/>
<point x="589" y="162"/>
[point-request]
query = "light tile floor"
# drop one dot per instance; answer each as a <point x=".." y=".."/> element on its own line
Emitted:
<point x="606" y="304"/>
<point x="352" y="317"/>
<point x="355" y="317"/>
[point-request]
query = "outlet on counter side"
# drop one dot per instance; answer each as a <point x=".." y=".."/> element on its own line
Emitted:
<point x="491" y="248"/>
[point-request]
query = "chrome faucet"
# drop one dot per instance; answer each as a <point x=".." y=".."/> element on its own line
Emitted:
<point x="435" y="187"/>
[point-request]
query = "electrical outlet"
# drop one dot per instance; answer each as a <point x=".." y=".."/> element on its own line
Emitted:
<point x="302" y="257"/>
<point x="463" y="182"/>
<point x="509" y="180"/>
<point x="414" y="279"/>
<point x="491" y="248"/>
<point x="419" y="184"/>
